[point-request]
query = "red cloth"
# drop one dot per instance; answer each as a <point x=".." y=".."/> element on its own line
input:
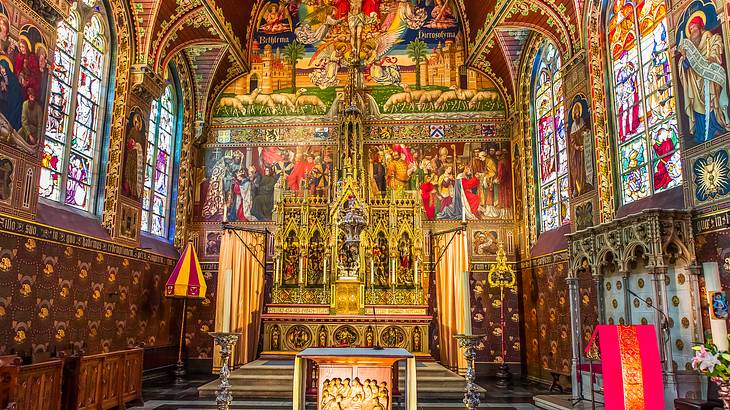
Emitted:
<point x="696" y="20"/>
<point x="428" y="203"/>
<point x="470" y="186"/>
<point x="402" y="149"/>
<point x="504" y="176"/>
<point x="300" y="171"/>
<point x="343" y="7"/>
<point x="371" y="6"/>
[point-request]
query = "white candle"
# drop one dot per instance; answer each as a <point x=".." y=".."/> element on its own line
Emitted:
<point x="392" y="271"/>
<point x="301" y="270"/>
<point x="372" y="272"/>
<point x="466" y="302"/>
<point x="415" y="273"/>
<point x="463" y="212"/>
<point x="325" y="270"/>
<point x="717" y="326"/>
<point x="227" y="288"/>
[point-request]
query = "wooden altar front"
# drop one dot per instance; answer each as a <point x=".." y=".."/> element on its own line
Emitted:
<point x="353" y="377"/>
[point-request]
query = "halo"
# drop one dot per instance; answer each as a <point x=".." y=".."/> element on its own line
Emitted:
<point x="577" y="107"/>
<point x="7" y="60"/>
<point x="26" y="40"/>
<point x="698" y="13"/>
<point x="39" y="46"/>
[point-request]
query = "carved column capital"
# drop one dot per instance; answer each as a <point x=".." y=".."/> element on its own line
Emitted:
<point x="146" y="84"/>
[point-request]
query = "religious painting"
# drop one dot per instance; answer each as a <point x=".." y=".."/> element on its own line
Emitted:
<point x="584" y="215"/>
<point x="642" y="84"/>
<point x="23" y="81"/>
<point x="580" y="147"/>
<point x="135" y="143"/>
<point x="7" y="179"/>
<point x="711" y="176"/>
<point x="213" y="243"/>
<point x="718" y="301"/>
<point x="703" y="88"/>
<point x="407" y="53"/>
<point x="129" y="222"/>
<point x="470" y="181"/>
<point x="485" y="242"/>
<point x="238" y="184"/>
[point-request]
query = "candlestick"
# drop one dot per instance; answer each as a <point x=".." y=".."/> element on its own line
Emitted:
<point x="325" y="269"/>
<point x="466" y="302"/>
<point x="469" y="344"/>
<point x="225" y="340"/>
<point x="372" y="272"/>
<point x="227" y="289"/>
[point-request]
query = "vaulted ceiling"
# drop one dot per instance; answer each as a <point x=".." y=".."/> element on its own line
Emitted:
<point x="212" y="35"/>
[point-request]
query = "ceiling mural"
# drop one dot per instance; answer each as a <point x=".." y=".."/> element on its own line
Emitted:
<point x="410" y="54"/>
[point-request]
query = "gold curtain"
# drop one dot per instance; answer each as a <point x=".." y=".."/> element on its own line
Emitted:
<point x="449" y="296"/>
<point x="239" y="253"/>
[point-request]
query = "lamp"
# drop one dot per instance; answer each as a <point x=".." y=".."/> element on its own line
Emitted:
<point x="185" y="282"/>
<point x="502" y="276"/>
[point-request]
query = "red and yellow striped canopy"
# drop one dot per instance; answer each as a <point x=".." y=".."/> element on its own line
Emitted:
<point x="186" y="280"/>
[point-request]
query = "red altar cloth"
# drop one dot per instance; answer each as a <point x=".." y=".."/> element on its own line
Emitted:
<point x="632" y="371"/>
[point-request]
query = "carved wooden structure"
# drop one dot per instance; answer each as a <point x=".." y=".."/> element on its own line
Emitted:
<point x="31" y="387"/>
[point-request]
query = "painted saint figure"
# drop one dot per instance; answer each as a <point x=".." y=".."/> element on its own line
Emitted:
<point x="581" y="173"/>
<point x="703" y="80"/>
<point x="134" y="157"/>
<point x="627" y="96"/>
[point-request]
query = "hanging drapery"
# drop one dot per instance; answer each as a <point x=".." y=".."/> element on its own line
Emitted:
<point x="449" y="295"/>
<point x="240" y="268"/>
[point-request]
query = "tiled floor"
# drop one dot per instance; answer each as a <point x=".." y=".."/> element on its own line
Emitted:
<point x="163" y="394"/>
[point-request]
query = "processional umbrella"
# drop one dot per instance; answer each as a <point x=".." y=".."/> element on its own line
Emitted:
<point x="185" y="282"/>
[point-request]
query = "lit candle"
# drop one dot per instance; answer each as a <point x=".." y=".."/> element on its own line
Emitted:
<point x="227" y="288"/>
<point x="467" y="308"/>
<point x="717" y="326"/>
<point x="372" y="272"/>
<point x="392" y="271"/>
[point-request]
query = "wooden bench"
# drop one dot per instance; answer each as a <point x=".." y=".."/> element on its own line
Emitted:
<point x="105" y="381"/>
<point x="30" y="387"/>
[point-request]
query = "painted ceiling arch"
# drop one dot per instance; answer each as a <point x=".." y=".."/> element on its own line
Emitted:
<point x="214" y="36"/>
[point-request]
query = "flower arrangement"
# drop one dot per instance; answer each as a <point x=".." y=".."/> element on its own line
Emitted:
<point x="711" y="362"/>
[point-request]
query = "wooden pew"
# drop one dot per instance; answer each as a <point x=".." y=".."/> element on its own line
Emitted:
<point x="108" y="380"/>
<point x="32" y="387"/>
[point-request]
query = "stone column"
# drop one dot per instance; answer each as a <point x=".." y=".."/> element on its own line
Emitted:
<point x="694" y="292"/>
<point x="575" y="330"/>
<point x="662" y="320"/>
<point x="627" y="297"/>
<point x="600" y="299"/>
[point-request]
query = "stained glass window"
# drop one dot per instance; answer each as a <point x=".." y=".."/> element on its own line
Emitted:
<point x="646" y="125"/>
<point x="552" y="151"/>
<point x="155" y="202"/>
<point x="70" y="149"/>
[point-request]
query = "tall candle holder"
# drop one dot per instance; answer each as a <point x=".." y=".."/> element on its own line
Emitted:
<point x="502" y="276"/>
<point x="469" y="344"/>
<point x="225" y="340"/>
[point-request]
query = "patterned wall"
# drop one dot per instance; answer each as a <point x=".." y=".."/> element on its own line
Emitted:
<point x="547" y="317"/>
<point x="54" y="296"/>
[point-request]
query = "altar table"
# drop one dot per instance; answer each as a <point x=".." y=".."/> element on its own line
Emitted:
<point x="354" y="377"/>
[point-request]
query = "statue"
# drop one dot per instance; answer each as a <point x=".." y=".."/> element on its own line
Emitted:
<point x="275" y="336"/>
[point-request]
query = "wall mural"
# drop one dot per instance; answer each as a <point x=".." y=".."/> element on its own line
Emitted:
<point x="23" y="81"/>
<point x="135" y="142"/>
<point x="703" y="101"/>
<point x="237" y="184"/>
<point x="410" y="53"/>
<point x="447" y="176"/>
<point x="580" y="147"/>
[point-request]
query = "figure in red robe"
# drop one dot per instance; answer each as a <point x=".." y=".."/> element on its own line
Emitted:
<point x="662" y="179"/>
<point x="504" y="176"/>
<point x="427" y="196"/>
<point x="299" y="173"/>
<point x="470" y="184"/>
<point x="371" y="8"/>
<point x="342" y="7"/>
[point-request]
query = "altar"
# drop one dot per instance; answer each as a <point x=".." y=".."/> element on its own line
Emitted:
<point x="353" y="377"/>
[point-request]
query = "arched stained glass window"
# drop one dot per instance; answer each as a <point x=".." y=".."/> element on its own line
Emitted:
<point x="646" y="125"/>
<point x="552" y="160"/>
<point x="160" y="141"/>
<point x="71" y="148"/>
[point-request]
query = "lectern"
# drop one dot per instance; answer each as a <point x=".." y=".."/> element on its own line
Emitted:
<point x="354" y="377"/>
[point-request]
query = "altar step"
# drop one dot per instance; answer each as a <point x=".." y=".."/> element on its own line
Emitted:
<point x="272" y="379"/>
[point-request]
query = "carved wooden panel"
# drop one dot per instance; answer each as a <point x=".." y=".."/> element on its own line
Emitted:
<point x="111" y="379"/>
<point x="39" y="386"/>
<point x="132" y="388"/>
<point x="89" y="382"/>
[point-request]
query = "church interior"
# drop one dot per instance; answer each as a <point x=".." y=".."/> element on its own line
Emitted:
<point x="364" y="204"/>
